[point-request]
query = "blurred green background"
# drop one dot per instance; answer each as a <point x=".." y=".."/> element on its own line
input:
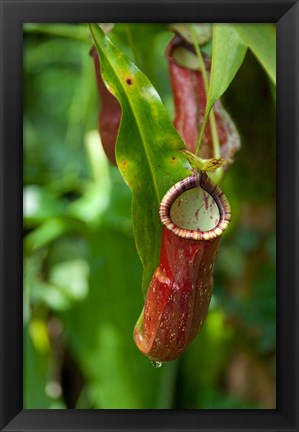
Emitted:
<point x="82" y="274"/>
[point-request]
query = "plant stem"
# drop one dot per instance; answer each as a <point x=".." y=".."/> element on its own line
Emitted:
<point x="215" y="139"/>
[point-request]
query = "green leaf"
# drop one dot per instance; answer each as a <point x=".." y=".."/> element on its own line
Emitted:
<point x="200" y="164"/>
<point x="261" y="39"/>
<point x="71" y="277"/>
<point x="147" y="149"/>
<point x="50" y="230"/>
<point x="99" y="329"/>
<point x="228" y="53"/>
<point x="35" y="369"/>
<point x="73" y="31"/>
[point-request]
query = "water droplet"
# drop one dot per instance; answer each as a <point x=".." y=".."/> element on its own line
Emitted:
<point x="156" y="364"/>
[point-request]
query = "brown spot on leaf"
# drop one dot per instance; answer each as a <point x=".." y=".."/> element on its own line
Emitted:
<point x="129" y="81"/>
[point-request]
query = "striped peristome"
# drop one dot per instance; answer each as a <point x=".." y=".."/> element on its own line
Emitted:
<point x="198" y="179"/>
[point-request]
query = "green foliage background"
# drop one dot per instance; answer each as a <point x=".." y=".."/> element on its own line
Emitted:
<point x="82" y="274"/>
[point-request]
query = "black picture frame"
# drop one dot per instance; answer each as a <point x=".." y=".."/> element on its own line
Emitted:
<point x="13" y="14"/>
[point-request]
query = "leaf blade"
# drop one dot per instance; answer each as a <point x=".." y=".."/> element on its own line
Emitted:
<point x="260" y="38"/>
<point x="147" y="149"/>
<point x="228" y="52"/>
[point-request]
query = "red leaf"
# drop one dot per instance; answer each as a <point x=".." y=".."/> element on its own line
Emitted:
<point x="190" y="102"/>
<point x="110" y="112"/>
